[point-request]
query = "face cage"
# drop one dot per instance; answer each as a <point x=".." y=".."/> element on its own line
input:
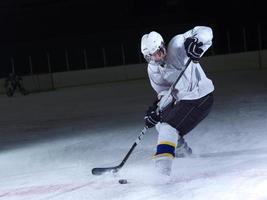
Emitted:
<point x="149" y="57"/>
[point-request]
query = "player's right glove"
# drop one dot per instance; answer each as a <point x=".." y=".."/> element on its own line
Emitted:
<point x="192" y="48"/>
<point x="152" y="117"/>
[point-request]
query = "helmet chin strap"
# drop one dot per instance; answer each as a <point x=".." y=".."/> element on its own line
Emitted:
<point x="160" y="62"/>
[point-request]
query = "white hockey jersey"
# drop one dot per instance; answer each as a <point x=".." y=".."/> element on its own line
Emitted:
<point x="194" y="84"/>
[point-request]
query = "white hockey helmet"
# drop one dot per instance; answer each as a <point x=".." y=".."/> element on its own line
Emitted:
<point x="151" y="43"/>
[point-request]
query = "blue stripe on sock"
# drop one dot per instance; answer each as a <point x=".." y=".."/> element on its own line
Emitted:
<point x="165" y="148"/>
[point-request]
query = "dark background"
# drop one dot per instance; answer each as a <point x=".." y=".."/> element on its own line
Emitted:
<point x="39" y="27"/>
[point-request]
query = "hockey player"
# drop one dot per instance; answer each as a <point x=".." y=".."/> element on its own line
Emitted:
<point x="13" y="82"/>
<point x="192" y="98"/>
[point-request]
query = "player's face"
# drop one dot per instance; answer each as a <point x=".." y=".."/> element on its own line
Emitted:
<point x="159" y="55"/>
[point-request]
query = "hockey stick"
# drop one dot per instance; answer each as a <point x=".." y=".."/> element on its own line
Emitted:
<point x="165" y="98"/>
<point x="99" y="171"/>
<point x="115" y="169"/>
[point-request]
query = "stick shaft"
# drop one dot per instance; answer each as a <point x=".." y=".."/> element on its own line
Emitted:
<point x="115" y="169"/>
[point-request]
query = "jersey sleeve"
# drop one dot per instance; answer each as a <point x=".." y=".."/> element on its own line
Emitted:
<point x="156" y="78"/>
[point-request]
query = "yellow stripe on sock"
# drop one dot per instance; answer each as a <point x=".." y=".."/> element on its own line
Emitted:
<point x="164" y="154"/>
<point x="168" y="143"/>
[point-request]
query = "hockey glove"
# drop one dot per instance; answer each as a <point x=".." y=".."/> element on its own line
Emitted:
<point x="192" y="48"/>
<point x="152" y="117"/>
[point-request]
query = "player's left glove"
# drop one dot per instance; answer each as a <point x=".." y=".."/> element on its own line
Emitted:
<point x="192" y="48"/>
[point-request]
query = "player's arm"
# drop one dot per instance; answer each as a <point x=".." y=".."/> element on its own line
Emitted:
<point x="197" y="41"/>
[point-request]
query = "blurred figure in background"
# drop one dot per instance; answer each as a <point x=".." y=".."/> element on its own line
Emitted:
<point x="13" y="82"/>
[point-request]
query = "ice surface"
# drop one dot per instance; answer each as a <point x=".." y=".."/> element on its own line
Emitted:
<point x="50" y="141"/>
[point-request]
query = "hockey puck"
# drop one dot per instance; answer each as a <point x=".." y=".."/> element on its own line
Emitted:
<point x="123" y="181"/>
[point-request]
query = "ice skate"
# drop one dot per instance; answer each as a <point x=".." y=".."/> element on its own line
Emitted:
<point x="163" y="166"/>
<point x="182" y="149"/>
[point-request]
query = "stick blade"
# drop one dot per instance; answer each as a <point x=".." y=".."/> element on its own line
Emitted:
<point x="100" y="171"/>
